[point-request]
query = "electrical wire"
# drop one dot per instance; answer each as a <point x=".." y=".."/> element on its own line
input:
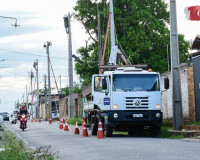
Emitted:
<point x="14" y="73"/>
<point x="53" y="75"/>
<point x="29" y="54"/>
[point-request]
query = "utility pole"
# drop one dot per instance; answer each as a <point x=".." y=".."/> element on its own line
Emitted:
<point x="60" y="82"/>
<point x="99" y="37"/>
<point x="35" y="65"/>
<point x="32" y="76"/>
<point x="168" y="57"/>
<point x="23" y="98"/>
<point x="45" y="92"/>
<point x="177" y="98"/>
<point x="67" y="24"/>
<point x="46" y="45"/>
<point x="26" y="98"/>
<point x="112" y="24"/>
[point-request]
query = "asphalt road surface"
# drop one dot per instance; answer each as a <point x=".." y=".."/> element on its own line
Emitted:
<point x="76" y="147"/>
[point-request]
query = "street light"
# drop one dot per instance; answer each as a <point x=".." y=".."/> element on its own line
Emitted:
<point x="3" y="60"/>
<point x="15" y="25"/>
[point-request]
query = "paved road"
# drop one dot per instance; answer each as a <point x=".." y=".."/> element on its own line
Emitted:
<point x="76" y="147"/>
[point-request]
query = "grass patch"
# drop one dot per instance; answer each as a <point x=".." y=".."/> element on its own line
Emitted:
<point x="15" y="150"/>
<point x="124" y="133"/>
<point x="73" y="120"/>
<point x="164" y="133"/>
<point x="192" y="123"/>
<point x="166" y="123"/>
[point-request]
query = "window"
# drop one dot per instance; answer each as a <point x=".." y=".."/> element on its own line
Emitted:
<point x="136" y="82"/>
<point x="98" y="85"/>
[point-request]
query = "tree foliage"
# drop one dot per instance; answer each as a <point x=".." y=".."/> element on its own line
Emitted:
<point x="141" y="31"/>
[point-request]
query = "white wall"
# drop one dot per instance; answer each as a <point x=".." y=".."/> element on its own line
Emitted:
<point x="167" y="95"/>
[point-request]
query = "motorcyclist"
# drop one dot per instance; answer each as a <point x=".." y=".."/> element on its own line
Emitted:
<point x="23" y="111"/>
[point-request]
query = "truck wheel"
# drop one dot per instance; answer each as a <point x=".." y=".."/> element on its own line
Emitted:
<point x="131" y="132"/>
<point x="94" y="129"/>
<point x="108" y="131"/>
<point x="155" y="130"/>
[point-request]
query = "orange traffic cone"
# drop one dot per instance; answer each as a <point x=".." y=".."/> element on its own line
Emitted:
<point x="61" y="124"/>
<point x="50" y="120"/>
<point x="76" y="131"/>
<point x="35" y="120"/>
<point x="66" y="126"/>
<point x="100" y="134"/>
<point x="85" y="132"/>
<point x="83" y="124"/>
<point x="39" y="120"/>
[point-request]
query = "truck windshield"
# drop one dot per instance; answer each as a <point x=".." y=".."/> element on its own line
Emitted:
<point x="136" y="82"/>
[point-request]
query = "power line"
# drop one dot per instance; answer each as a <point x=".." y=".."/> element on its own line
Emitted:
<point x="14" y="73"/>
<point x="30" y="54"/>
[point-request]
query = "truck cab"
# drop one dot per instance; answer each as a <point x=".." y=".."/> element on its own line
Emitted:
<point x="128" y="99"/>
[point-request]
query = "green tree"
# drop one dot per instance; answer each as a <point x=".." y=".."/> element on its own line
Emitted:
<point x="141" y="31"/>
<point x="65" y="90"/>
<point x="76" y="89"/>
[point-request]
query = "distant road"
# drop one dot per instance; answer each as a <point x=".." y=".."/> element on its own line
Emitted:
<point x="76" y="147"/>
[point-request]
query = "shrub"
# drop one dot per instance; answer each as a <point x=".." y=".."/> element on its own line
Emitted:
<point x="15" y="150"/>
<point x="73" y="120"/>
<point x="166" y="123"/>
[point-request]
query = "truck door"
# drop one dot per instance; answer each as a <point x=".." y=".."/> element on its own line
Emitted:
<point x="100" y="92"/>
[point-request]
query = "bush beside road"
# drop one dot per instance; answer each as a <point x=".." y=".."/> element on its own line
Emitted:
<point x="73" y="120"/>
<point x="12" y="148"/>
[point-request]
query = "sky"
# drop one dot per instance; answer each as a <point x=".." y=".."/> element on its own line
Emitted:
<point x="41" y="21"/>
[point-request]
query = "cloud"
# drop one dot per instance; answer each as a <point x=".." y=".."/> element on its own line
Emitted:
<point x="39" y="21"/>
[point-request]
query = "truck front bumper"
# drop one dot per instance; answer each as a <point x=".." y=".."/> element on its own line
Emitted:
<point x="139" y="117"/>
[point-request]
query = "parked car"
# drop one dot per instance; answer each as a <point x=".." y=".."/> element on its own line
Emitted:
<point x="16" y="113"/>
<point x="5" y="116"/>
<point x="55" y="114"/>
<point x="1" y="119"/>
<point x="13" y="119"/>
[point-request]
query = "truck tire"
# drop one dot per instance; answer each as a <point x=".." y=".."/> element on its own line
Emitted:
<point x="108" y="131"/>
<point x="94" y="129"/>
<point x="131" y="132"/>
<point x="155" y="130"/>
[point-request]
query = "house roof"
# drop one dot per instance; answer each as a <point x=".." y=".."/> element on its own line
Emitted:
<point x="196" y="43"/>
<point x="195" y="54"/>
<point x="87" y="90"/>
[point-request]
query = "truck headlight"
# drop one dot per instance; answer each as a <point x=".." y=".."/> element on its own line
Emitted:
<point x="157" y="115"/>
<point x="115" y="106"/>
<point x="158" y="106"/>
<point x="115" y="115"/>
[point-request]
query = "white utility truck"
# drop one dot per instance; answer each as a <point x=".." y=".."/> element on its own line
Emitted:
<point x="125" y="98"/>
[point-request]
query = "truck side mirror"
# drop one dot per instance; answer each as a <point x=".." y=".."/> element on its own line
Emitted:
<point x="166" y="83"/>
<point x="104" y="83"/>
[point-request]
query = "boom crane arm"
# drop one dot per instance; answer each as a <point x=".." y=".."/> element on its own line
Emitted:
<point x="116" y="51"/>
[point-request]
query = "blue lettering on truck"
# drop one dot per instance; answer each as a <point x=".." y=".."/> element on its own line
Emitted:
<point x="107" y="101"/>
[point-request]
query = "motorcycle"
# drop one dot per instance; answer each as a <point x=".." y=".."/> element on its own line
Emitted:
<point x="23" y="122"/>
